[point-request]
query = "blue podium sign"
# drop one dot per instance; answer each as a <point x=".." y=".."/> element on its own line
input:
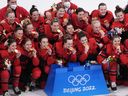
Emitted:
<point x="79" y="81"/>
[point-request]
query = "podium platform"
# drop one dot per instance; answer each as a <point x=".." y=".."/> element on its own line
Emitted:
<point x="76" y="80"/>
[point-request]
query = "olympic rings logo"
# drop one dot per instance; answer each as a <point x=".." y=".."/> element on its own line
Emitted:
<point x="79" y="79"/>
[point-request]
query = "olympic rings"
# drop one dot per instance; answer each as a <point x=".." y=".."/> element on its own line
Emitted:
<point x="78" y="79"/>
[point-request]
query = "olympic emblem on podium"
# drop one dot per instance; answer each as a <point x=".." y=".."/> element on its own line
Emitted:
<point x="79" y="79"/>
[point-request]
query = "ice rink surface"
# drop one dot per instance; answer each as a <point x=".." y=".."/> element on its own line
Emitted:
<point x="121" y="91"/>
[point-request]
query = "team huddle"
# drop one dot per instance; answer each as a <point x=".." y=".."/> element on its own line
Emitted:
<point x="30" y="43"/>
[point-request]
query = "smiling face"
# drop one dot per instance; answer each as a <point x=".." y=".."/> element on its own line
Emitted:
<point x="19" y="34"/>
<point x="103" y="10"/>
<point x="96" y="26"/>
<point x="28" y="45"/>
<point x="29" y="28"/>
<point x="60" y="12"/>
<point x="55" y="26"/>
<point x="120" y="16"/>
<point x="84" y="40"/>
<point x="11" y="18"/>
<point x="80" y="15"/>
<point x="116" y="42"/>
<point x="69" y="43"/>
<point x="35" y="16"/>
<point x="12" y="47"/>
<point x="44" y="42"/>
<point x="48" y="15"/>
<point x="70" y="29"/>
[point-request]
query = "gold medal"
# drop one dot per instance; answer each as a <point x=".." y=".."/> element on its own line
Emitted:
<point x="58" y="30"/>
<point x="16" y="51"/>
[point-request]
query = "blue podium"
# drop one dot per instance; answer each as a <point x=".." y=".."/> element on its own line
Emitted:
<point x="76" y="80"/>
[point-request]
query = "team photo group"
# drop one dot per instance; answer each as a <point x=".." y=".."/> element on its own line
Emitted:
<point x="31" y="42"/>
